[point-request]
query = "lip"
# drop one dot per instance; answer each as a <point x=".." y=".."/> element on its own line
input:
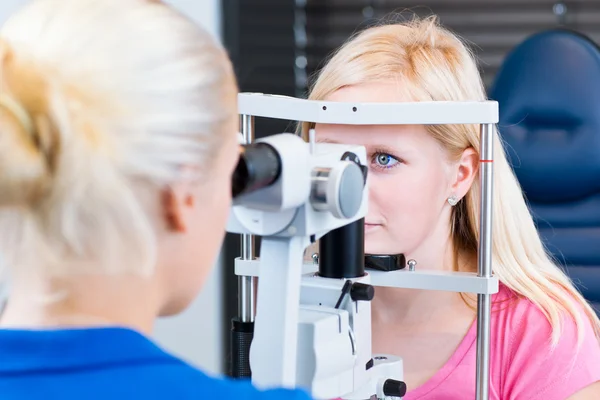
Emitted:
<point x="371" y="227"/>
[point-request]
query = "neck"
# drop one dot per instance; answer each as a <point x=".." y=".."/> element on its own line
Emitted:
<point x="415" y="308"/>
<point x="418" y="307"/>
<point x="80" y="302"/>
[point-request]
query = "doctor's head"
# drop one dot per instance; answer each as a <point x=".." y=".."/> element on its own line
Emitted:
<point x="116" y="145"/>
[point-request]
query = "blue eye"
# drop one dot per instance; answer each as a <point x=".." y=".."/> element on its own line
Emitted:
<point x="385" y="160"/>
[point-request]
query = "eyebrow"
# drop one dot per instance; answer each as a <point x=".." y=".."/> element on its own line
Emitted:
<point x="370" y="147"/>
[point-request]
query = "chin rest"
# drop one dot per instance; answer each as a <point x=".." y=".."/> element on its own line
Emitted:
<point x="549" y="98"/>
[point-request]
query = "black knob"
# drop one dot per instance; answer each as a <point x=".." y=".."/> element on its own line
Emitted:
<point x="393" y="388"/>
<point x="362" y="292"/>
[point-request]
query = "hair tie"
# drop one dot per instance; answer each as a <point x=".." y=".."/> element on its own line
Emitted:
<point x="18" y="111"/>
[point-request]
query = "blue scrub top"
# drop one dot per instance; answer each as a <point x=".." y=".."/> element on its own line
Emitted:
<point x="108" y="363"/>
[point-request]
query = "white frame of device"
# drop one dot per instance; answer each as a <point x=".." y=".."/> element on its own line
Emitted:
<point x="484" y="113"/>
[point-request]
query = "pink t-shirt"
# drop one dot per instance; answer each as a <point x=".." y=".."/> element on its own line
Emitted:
<point x="522" y="366"/>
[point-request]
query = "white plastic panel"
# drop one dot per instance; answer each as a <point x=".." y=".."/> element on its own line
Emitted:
<point x="418" y="113"/>
<point x="465" y="282"/>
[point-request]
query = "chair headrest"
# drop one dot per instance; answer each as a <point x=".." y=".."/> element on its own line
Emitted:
<point x="548" y="90"/>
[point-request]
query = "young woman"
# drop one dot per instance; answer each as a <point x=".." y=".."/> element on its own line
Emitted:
<point x="424" y="199"/>
<point x="118" y="137"/>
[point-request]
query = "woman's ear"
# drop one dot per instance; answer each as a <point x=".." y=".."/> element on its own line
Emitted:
<point x="466" y="171"/>
<point x="176" y="204"/>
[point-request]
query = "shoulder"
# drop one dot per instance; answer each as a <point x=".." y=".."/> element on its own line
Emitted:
<point x="136" y="358"/>
<point x="528" y="363"/>
<point x="110" y="363"/>
<point x="174" y="376"/>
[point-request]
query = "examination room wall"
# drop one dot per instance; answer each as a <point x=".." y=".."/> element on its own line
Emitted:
<point x="195" y="335"/>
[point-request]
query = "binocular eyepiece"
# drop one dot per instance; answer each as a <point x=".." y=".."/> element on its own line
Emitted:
<point x="258" y="167"/>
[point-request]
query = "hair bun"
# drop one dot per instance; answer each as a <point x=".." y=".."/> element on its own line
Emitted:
<point x="23" y="166"/>
<point x="18" y="111"/>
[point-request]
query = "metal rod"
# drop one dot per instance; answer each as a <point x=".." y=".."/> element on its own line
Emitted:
<point x="485" y="260"/>
<point x="246" y="287"/>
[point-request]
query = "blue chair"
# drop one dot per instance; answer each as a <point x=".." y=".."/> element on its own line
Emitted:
<point x="548" y="90"/>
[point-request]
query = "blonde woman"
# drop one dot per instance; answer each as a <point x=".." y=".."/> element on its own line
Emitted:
<point x="118" y="138"/>
<point x="424" y="198"/>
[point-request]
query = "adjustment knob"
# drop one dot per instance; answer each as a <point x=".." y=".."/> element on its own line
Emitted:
<point x="362" y="292"/>
<point x="393" y="388"/>
<point x="338" y="190"/>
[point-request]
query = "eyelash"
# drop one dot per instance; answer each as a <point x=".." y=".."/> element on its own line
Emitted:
<point x="378" y="153"/>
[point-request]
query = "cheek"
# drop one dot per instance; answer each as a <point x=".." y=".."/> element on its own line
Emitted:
<point x="404" y="192"/>
<point x="397" y="199"/>
<point x="212" y="218"/>
<point x="209" y="222"/>
<point x="206" y="233"/>
<point x="409" y="203"/>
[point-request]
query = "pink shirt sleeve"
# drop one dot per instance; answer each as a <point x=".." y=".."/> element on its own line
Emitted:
<point x="535" y="371"/>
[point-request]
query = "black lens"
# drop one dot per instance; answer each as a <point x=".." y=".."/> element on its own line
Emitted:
<point x="259" y="166"/>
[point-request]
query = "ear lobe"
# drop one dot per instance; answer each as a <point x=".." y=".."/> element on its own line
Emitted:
<point x="190" y="200"/>
<point x="173" y="210"/>
<point x="177" y="202"/>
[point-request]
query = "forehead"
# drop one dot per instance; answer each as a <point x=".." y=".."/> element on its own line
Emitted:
<point x="371" y="134"/>
<point x="377" y="92"/>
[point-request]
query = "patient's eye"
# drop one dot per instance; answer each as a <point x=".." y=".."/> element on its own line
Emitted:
<point x="384" y="160"/>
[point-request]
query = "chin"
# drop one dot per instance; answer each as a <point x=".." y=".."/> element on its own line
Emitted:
<point x="377" y="244"/>
<point x="379" y="247"/>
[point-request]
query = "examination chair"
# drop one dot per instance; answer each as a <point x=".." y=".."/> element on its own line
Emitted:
<point x="548" y="90"/>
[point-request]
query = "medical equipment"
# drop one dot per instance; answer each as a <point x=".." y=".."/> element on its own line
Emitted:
<point x="312" y="323"/>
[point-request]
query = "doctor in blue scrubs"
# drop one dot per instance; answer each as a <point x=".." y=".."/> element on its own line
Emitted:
<point x="118" y="138"/>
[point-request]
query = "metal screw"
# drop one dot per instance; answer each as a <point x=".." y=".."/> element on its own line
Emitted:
<point x="315" y="258"/>
<point x="559" y="8"/>
<point x="411" y="265"/>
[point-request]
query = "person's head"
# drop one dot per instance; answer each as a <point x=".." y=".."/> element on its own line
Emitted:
<point x="414" y="169"/>
<point x="118" y="136"/>
<point x="416" y="172"/>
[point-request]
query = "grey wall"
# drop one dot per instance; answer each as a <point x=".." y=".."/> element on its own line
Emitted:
<point x="7" y="7"/>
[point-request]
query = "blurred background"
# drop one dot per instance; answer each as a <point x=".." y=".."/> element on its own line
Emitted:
<point x="278" y="45"/>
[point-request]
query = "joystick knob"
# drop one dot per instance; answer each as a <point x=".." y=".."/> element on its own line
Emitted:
<point x="362" y="292"/>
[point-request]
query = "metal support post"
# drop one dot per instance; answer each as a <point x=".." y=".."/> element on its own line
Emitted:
<point x="242" y="330"/>
<point x="484" y="303"/>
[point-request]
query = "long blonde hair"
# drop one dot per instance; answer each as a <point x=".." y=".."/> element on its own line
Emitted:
<point x="433" y="64"/>
<point x="101" y="103"/>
